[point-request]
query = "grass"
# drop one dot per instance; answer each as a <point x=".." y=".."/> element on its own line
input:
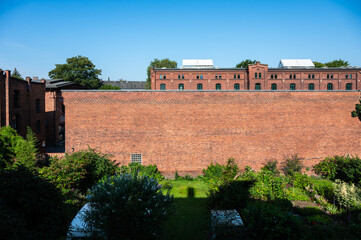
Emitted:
<point x="190" y="217"/>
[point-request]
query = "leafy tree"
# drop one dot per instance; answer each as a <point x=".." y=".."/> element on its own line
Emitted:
<point x="16" y="74"/>
<point x="245" y="63"/>
<point x="337" y="63"/>
<point x="159" y="64"/>
<point x="77" y="69"/>
<point x="109" y="87"/>
<point x="318" y="64"/>
<point x="357" y="112"/>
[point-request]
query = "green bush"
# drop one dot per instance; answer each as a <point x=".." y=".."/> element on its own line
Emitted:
<point x="296" y="194"/>
<point x="347" y="195"/>
<point x="299" y="180"/>
<point x="268" y="186"/>
<point x="15" y="150"/>
<point x="271" y="165"/>
<point x="328" y="167"/>
<point x="323" y="187"/>
<point x="292" y="165"/>
<point x="127" y="207"/>
<point x="78" y="171"/>
<point x="216" y="174"/>
<point x="30" y="207"/>
<point x="267" y="220"/>
<point x="141" y="170"/>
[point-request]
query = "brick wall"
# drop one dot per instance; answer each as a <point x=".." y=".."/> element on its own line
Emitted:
<point x="186" y="131"/>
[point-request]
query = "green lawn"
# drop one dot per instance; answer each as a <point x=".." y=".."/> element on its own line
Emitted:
<point x="190" y="219"/>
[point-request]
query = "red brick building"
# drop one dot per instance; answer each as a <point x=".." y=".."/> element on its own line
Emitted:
<point x="22" y="104"/>
<point x="185" y="131"/>
<point x="256" y="77"/>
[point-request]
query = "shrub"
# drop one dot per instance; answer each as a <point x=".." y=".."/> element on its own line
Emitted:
<point x="271" y="165"/>
<point x="216" y="174"/>
<point x="30" y="207"/>
<point x="347" y="195"/>
<point x="141" y="170"/>
<point x="327" y="167"/>
<point x="265" y="220"/>
<point x="127" y="207"/>
<point x="268" y="186"/>
<point x="15" y="150"/>
<point x="299" y="180"/>
<point x="78" y="171"/>
<point x="292" y="165"/>
<point x="323" y="187"/>
<point x="296" y="194"/>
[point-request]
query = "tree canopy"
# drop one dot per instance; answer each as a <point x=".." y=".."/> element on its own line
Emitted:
<point x="357" y="111"/>
<point x="16" y="74"/>
<point x="245" y="63"/>
<point x="77" y="69"/>
<point x="159" y="64"/>
<point x="333" y="63"/>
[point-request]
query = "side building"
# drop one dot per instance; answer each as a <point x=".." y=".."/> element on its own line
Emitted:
<point x="22" y="104"/>
<point x="292" y="74"/>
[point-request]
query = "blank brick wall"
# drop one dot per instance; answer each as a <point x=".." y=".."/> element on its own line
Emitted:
<point x="186" y="131"/>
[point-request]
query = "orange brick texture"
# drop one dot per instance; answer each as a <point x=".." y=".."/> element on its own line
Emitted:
<point x="186" y="131"/>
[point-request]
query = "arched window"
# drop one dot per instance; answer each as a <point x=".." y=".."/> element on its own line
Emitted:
<point x="197" y="76"/>
<point x="275" y="76"/>
<point x="218" y="86"/>
<point x="328" y="76"/>
<point x="259" y="75"/>
<point x="236" y="86"/>
<point x="257" y="86"/>
<point x="348" y="86"/>
<point x="290" y="76"/>
<point x="350" y="76"/>
<point x="238" y="76"/>
<point x="274" y="86"/>
<point x="346" y="76"/>
<point x="294" y="76"/>
<point x="309" y="76"/>
<point x="329" y="86"/>
<point x="313" y="76"/>
<point x="311" y="86"/>
<point x="234" y="76"/>
<point x="199" y="86"/>
<point x="181" y="86"/>
<point x="271" y="76"/>
<point x="162" y="86"/>
<point x="331" y="76"/>
<point x="255" y="75"/>
<point x="292" y="86"/>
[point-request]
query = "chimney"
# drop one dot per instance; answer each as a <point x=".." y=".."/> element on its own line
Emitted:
<point x="257" y="62"/>
<point x="8" y="74"/>
<point x="42" y="80"/>
<point x="35" y="78"/>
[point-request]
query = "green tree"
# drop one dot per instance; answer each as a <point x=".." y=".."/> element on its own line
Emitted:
<point x="16" y="74"/>
<point x="337" y="63"/>
<point x="109" y="87"/>
<point x="357" y="112"/>
<point x="77" y="69"/>
<point x="159" y="64"/>
<point x="245" y="63"/>
<point x="318" y="64"/>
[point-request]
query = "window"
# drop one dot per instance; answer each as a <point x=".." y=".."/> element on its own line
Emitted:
<point x="311" y="86"/>
<point x="197" y="76"/>
<point x="16" y="100"/>
<point x="178" y="76"/>
<point x="257" y="86"/>
<point x="313" y="76"/>
<point x="238" y="76"/>
<point x="292" y="86"/>
<point x="259" y="75"/>
<point x="328" y="76"/>
<point x="329" y="86"/>
<point x="182" y="76"/>
<point x="181" y="86"/>
<point x="346" y="76"/>
<point x="275" y="76"/>
<point x="216" y="76"/>
<point x="15" y="122"/>
<point x="350" y="76"/>
<point x="294" y="76"/>
<point x="309" y="76"/>
<point x="136" y="158"/>
<point x="255" y="75"/>
<point x="348" y="86"/>
<point x="234" y="76"/>
<point x="38" y="127"/>
<point x="37" y="105"/>
<point x="271" y="76"/>
<point x="220" y="76"/>
<point x="274" y="86"/>
<point x="162" y="86"/>
<point x="160" y="76"/>
<point x="201" y="76"/>
<point x="290" y="76"/>
<point x="199" y="86"/>
<point x="331" y="76"/>
<point x="236" y="86"/>
<point x="218" y="86"/>
<point x="165" y="77"/>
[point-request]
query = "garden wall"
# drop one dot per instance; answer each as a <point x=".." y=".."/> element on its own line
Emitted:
<point x="187" y="130"/>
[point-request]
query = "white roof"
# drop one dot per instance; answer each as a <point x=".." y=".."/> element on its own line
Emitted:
<point x="296" y="63"/>
<point x="197" y="63"/>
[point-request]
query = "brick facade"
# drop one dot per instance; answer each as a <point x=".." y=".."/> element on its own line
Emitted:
<point x="22" y="104"/>
<point x="187" y="130"/>
<point x="256" y="74"/>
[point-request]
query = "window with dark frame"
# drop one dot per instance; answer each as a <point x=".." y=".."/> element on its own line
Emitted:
<point x="162" y="86"/>
<point x="197" y="76"/>
<point x="292" y="86"/>
<point x="37" y="105"/>
<point x="257" y="86"/>
<point x="199" y="86"/>
<point x="311" y="86"/>
<point x="348" y="86"/>
<point x="236" y="86"/>
<point x="273" y="86"/>
<point x="181" y="86"/>
<point x="259" y="75"/>
<point x="238" y="76"/>
<point x="329" y="86"/>
<point x="275" y="76"/>
<point x="182" y="76"/>
<point x="218" y="86"/>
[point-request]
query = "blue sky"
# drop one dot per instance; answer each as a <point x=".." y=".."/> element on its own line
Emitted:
<point x="122" y="37"/>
